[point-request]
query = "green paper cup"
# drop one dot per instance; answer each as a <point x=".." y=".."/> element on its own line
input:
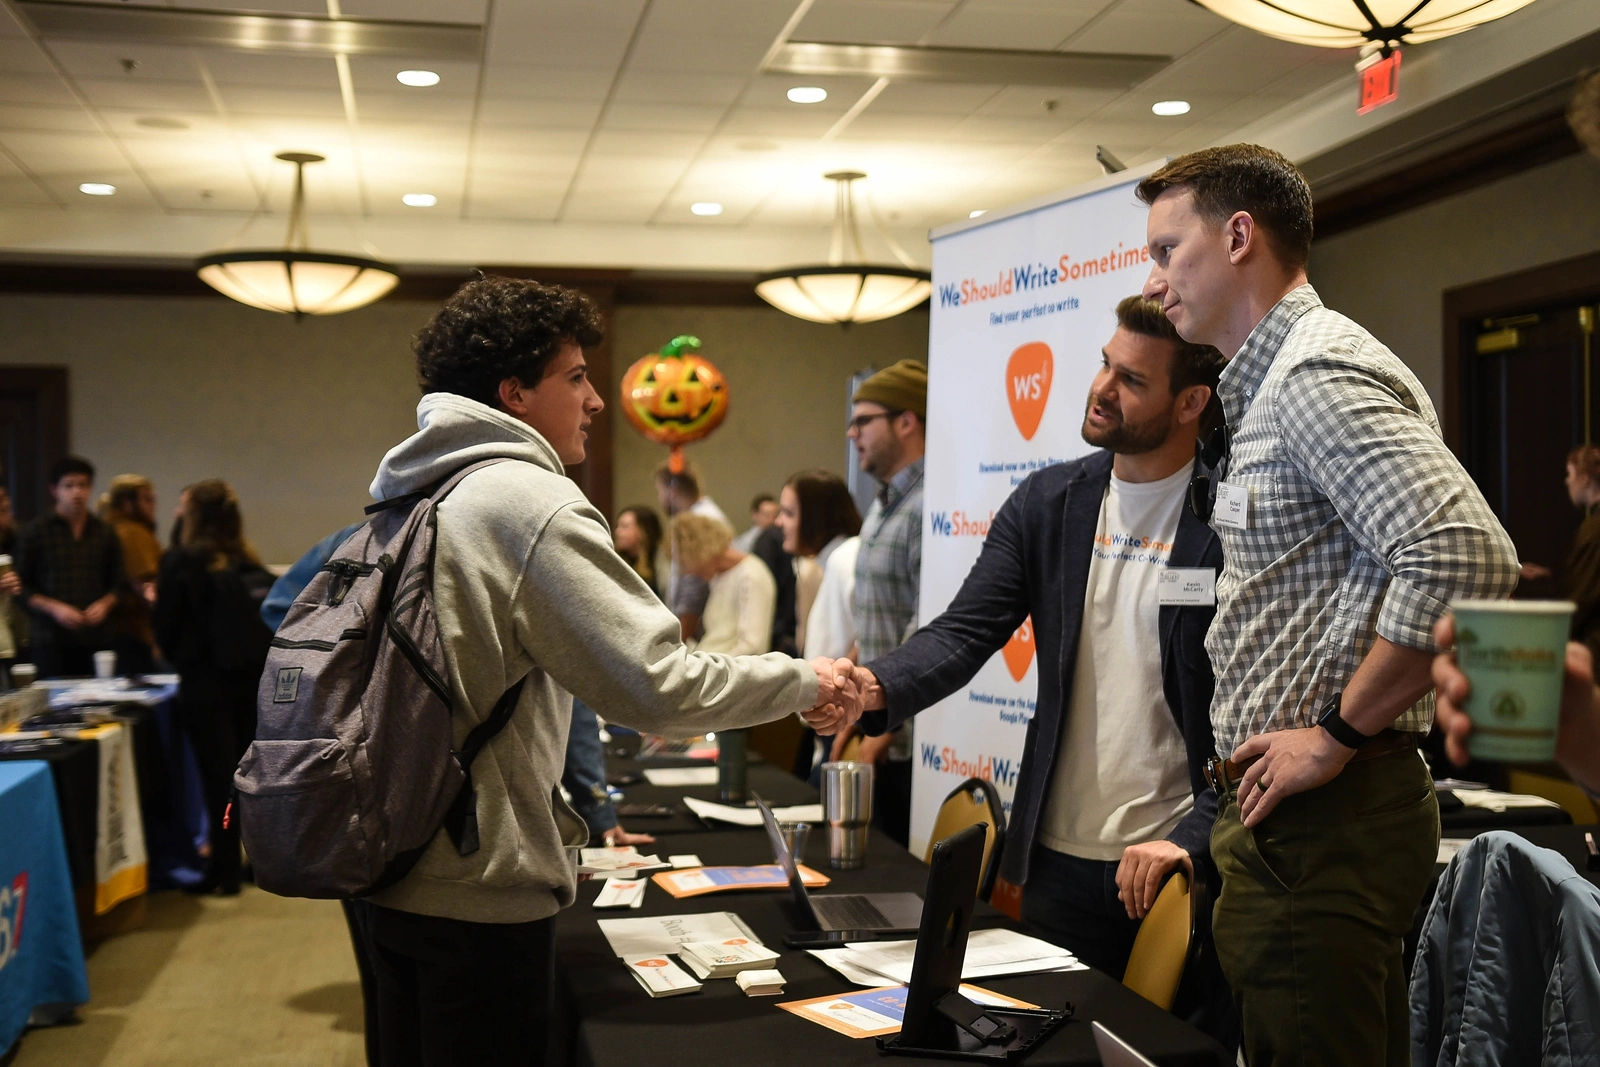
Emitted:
<point x="1513" y="653"/>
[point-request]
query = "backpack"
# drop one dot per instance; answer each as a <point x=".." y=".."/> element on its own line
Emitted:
<point x="352" y="774"/>
<point x="239" y="639"/>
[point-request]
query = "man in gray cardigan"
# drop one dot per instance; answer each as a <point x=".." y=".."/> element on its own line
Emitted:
<point x="527" y="583"/>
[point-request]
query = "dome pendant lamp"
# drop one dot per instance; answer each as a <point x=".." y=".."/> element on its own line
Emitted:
<point x="294" y="280"/>
<point x="1355" y="23"/>
<point x="840" y="291"/>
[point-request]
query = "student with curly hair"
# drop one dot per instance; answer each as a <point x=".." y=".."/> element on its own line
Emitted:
<point x="527" y="586"/>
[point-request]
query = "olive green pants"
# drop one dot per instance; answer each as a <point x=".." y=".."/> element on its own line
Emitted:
<point x="1315" y="904"/>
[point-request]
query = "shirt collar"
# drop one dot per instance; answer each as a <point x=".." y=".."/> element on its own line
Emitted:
<point x="901" y="484"/>
<point x="1245" y="371"/>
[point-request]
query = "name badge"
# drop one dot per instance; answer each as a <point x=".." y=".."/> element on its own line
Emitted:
<point x="1187" y="586"/>
<point x="1233" y="507"/>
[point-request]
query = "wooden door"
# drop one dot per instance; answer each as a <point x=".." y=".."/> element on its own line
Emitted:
<point x="1529" y="399"/>
<point x="33" y="434"/>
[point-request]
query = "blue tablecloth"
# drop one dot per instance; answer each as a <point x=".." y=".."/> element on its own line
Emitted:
<point x="41" y="954"/>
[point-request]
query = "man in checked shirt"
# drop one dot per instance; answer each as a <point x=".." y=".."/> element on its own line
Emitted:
<point x="1347" y="527"/>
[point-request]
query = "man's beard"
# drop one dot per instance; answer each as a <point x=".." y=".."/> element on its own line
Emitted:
<point x="1129" y="439"/>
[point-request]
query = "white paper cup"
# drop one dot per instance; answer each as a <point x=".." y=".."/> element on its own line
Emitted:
<point x="105" y="664"/>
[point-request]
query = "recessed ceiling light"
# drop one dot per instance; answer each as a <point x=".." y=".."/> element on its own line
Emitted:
<point x="419" y="200"/>
<point x="419" y="78"/>
<point x="975" y="214"/>
<point x="97" y="188"/>
<point x="706" y="207"/>
<point x="1170" y="107"/>
<point x="807" y="94"/>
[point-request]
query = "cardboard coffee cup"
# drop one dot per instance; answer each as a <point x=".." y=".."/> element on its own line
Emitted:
<point x="1514" y="653"/>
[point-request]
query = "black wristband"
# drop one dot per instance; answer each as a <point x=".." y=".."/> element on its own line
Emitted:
<point x="1342" y="732"/>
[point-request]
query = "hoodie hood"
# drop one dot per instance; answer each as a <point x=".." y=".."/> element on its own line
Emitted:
<point x="454" y="432"/>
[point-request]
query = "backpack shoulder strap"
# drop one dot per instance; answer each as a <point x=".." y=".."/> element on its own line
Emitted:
<point x="461" y="821"/>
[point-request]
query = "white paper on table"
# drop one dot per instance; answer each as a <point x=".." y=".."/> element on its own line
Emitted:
<point x="705" y="809"/>
<point x="621" y="893"/>
<point x="1494" y="800"/>
<point x="612" y="863"/>
<point x="660" y="935"/>
<point x="839" y="959"/>
<point x="989" y="953"/>
<point x="1449" y="846"/>
<point x="681" y="776"/>
<point x="850" y="968"/>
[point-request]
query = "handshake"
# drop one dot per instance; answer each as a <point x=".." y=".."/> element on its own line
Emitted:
<point x="844" y="691"/>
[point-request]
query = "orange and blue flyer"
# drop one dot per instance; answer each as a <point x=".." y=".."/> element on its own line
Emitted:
<point x="879" y="1012"/>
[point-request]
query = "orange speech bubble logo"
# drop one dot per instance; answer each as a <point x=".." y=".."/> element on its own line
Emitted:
<point x="1018" y="652"/>
<point x="1028" y="375"/>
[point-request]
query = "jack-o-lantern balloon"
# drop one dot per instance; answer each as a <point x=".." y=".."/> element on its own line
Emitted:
<point x="676" y="396"/>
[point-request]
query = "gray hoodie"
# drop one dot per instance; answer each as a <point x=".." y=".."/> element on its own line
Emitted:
<point x="526" y="582"/>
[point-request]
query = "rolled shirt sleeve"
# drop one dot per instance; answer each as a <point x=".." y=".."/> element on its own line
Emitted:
<point x="1402" y="494"/>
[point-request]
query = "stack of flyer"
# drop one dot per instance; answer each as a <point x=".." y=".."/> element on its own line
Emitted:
<point x="726" y="958"/>
<point x="661" y="977"/>
<point x="623" y="862"/>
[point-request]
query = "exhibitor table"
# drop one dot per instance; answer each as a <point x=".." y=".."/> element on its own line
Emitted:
<point x="41" y="956"/>
<point x="611" y="1022"/>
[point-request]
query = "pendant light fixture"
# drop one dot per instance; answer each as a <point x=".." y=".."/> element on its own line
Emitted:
<point x="294" y="280"/>
<point x="841" y="291"/>
<point x="1354" y="23"/>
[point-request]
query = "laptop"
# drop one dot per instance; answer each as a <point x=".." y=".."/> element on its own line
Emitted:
<point x="1115" y="1052"/>
<point x="873" y="916"/>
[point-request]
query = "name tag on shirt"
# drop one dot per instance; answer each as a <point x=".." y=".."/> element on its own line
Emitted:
<point x="1233" y="506"/>
<point x="1187" y="586"/>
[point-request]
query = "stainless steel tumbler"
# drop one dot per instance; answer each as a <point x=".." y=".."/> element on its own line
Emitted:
<point x="847" y="805"/>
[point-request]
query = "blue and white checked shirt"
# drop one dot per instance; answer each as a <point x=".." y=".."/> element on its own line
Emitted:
<point x="1361" y="522"/>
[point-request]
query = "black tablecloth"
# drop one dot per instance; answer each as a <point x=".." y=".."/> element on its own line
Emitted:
<point x="75" y="769"/>
<point x="777" y="788"/>
<point x="610" y="1020"/>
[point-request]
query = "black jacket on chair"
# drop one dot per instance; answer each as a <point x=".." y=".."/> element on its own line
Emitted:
<point x="1035" y="561"/>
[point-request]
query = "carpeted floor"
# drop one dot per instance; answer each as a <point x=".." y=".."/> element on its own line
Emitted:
<point x="250" y="981"/>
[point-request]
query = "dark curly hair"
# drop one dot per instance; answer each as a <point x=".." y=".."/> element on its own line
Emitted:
<point x="492" y="329"/>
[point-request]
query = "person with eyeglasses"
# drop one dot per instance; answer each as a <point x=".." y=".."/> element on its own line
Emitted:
<point x="888" y="424"/>
<point x="1347" y="527"/>
<point x="1111" y="795"/>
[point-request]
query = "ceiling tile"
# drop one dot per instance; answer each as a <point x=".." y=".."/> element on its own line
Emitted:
<point x="667" y="118"/>
<point x="377" y="73"/>
<point x="658" y="87"/>
<point x="97" y="59"/>
<point x="274" y="70"/>
<point x="1149" y="27"/>
<point x="472" y="11"/>
<point x="1020" y="26"/>
<point x="871" y="21"/>
<point x="531" y="113"/>
<point x="507" y="80"/>
<point x="113" y="93"/>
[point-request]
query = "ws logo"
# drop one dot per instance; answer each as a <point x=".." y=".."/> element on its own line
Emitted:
<point x="12" y="899"/>
<point x="1029" y="372"/>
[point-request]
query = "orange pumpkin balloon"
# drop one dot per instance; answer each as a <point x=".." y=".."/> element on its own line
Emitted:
<point x="674" y="397"/>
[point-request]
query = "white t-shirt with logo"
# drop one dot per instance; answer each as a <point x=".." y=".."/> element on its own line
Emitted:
<point x="1121" y="774"/>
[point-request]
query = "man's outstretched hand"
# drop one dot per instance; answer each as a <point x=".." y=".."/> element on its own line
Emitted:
<point x="838" y="696"/>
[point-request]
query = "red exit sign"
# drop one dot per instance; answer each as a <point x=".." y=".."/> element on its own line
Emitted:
<point x="1380" y="83"/>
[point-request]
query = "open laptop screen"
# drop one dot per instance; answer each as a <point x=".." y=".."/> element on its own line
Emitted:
<point x="791" y="867"/>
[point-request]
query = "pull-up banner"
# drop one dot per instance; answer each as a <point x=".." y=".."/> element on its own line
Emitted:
<point x="1023" y="300"/>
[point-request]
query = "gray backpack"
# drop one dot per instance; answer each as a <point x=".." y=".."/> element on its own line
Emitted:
<point x="352" y="774"/>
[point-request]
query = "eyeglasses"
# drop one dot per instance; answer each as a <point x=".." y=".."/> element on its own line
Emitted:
<point x="1212" y="455"/>
<point x="860" y="422"/>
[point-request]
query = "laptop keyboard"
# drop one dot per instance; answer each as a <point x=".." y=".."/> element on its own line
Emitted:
<point x="849" y="912"/>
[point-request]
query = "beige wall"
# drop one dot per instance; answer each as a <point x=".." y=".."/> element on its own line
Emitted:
<point x="787" y="403"/>
<point x="296" y="415"/>
<point x="1391" y="276"/>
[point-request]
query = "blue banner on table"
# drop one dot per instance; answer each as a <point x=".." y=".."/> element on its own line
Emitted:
<point x="41" y="954"/>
